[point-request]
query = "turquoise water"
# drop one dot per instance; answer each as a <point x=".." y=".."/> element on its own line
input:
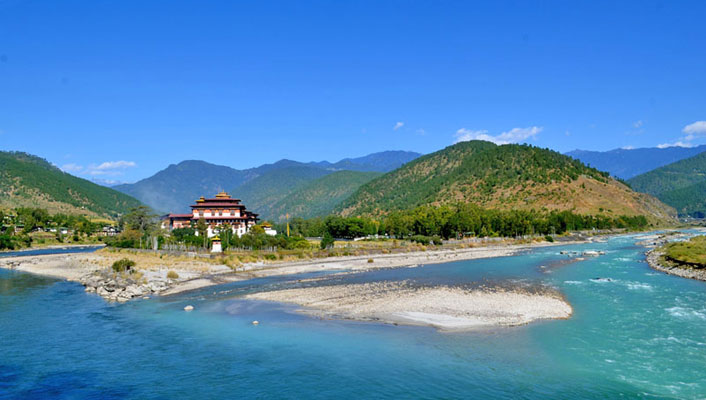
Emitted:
<point x="634" y="332"/>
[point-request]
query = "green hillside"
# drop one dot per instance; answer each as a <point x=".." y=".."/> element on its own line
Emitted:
<point x="501" y="177"/>
<point x="682" y="185"/>
<point x="321" y="196"/>
<point x="262" y="193"/>
<point x="30" y="181"/>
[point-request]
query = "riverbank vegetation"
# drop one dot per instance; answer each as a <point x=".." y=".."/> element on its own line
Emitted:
<point x="686" y="254"/>
<point x="24" y="227"/>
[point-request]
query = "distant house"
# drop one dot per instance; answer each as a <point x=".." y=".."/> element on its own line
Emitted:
<point x="216" y="212"/>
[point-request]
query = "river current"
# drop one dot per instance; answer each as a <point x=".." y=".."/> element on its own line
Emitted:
<point x="635" y="333"/>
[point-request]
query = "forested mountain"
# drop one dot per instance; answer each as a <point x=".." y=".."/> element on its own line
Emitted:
<point x="682" y="185"/>
<point x="627" y="163"/>
<point x="319" y="197"/>
<point x="176" y="187"/>
<point x="30" y="181"/>
<point x="262" y="193"/>
<point x="501" y="177"/>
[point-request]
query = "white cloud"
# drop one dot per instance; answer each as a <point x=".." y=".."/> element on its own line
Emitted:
<point x="71" y="167"/>
<point x="675" y="144"/>
<point x="398" y="126"/>
<point x="421" y="132"/>
<point x="637" y="124"/>
<point x="692" y="131"/>
<point x="107" y="168"/>
<point x="697" y="128"/>
<point x="628" y="147"/>
<point x="514" y="135"/>
<point x="111" y="165"/>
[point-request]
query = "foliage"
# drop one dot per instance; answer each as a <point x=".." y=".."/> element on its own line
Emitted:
<point x="476" y="171"/>
<point x="549" y="238"/>
<point x="691" y="252"/>
<point x="24" y="178"/>
<point x="123" y="265"/>
<point x="320" y="197"/>
<point x="172" y="275"/>
<point x="452" y="221"/>
<point x="140" y="219"/>
<point x="326" y="241"/>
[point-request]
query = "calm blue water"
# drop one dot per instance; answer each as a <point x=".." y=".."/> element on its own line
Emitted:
<point x="641" y="334"/>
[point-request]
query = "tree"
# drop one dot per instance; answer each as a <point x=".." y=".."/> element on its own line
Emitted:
<point x="140" y="219"/>
<point x="202" y="229"/>
<point x="327" y="241"/>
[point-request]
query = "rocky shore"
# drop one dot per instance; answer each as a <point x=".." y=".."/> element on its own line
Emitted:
<point x="654" y="260"/>
<point x="151" y="277"/>
<point x="443" y="307"/>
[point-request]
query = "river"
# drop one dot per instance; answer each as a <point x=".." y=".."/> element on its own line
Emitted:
<point x="634" y="332"/>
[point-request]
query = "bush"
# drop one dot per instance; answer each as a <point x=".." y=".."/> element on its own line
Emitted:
<point x="549" y="238"/>
<point x="327" y="241"/>
<point x="370" y="261"/>
<point x="123" y="265"/>
<point x="421" y="239"/>
<point x="436" y="240"/>
<point x="270" y="257"/>
<point x="172" y="275"/>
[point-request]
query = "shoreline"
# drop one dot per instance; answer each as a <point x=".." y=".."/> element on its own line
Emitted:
<point x="93" y="269"/>
<point x="445" y="308"/>
<point x="653" y="260"/>
<point x="653" y="256"/>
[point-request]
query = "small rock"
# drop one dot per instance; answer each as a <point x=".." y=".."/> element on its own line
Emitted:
<point x="188" y="308"/>
<point x="146" y="298"/>
<point x="256" y="322"/>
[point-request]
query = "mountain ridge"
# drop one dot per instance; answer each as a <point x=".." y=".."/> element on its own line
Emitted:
<point x="628" y="163"/>
<point x="501" y="177"/>
<point x="27" y="180"/>
<point x="174" y="188"/>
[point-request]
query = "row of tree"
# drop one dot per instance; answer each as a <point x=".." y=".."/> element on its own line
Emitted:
<point x="452" y="221"/>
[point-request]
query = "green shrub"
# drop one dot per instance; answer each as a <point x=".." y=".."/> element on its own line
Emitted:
<point x="370" y="261"/>
<point x="421" y="239"/>
<point x="172" y="275"/>
<point x="436" y="240"/>
<point x="271" y="257"/>
<point x="327" y="241"/>
<point x="549" y="238"/>
<point x="123" y="265"/>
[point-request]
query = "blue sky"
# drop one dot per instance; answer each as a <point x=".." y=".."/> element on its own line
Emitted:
<point x="118" y="90"/>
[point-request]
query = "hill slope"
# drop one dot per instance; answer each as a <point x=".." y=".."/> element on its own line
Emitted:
<point x="30" y="181"/>
<point x="627" y="163"/>
<point x="682" y="185"/>
<point x="262" y="193"/>
<point x="501" y="177"/>
<point x="176" y="187"/>
<point x="320" y="197"/>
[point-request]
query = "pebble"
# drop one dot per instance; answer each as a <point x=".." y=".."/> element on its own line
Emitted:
<point x="256" y="322"/>
<point x="188" y="308"/>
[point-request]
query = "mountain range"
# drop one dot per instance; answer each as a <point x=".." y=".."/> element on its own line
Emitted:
<point x="31" y="181"/>
<point x="262" y="189"/>
<point x="627" y="163"/>
<point x="682" y="185"/>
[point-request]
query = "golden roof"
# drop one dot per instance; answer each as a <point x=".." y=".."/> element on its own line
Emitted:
<point x="223" y="195"/>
